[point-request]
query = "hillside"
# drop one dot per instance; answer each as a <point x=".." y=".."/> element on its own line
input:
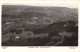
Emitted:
<point x="43" y="13"/>
<point x="33" y="25"/>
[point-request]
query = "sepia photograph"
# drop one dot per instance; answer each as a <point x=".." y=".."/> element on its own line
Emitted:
<point x="27" y="25"/>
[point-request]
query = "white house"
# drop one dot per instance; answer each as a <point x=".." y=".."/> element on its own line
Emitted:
<point x="9" y="22"/>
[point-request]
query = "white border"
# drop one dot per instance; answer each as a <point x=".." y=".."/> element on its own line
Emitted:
<point x="39" y="49"/>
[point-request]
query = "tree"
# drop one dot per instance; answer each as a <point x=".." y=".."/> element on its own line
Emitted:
<point x="26" y="29"/>
<point x="53" y="34"/>
<point x="71" y="23"/>
<point x="71" y="26"/>
<point x="12" y="30"/>
<point x="18" y="31"/>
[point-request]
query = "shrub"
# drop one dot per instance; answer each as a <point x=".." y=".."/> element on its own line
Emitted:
<point x="12" y="30"/>
<point x="26" y="29"/>
<point x="18" y="31"/>
<point x="53" y="34"/>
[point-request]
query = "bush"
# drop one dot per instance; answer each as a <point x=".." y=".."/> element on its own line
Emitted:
<point x="53" y="34"/>
<point x="26" y="29"/>
<point x="18" y="31"/>
<point x="71" y="26"/>
<point x="4" y="32"/>
<point x="12" y="30"/>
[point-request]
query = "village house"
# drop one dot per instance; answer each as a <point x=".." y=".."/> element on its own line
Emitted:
<point x="9" y="23"/>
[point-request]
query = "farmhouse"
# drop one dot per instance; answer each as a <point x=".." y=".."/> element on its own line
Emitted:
<point x="9" y="22"/>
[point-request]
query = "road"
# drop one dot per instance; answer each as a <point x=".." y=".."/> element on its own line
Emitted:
<point x="54" y="44"/>
<point x="8" y="27"/>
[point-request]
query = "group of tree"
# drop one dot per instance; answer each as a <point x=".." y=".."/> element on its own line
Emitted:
<point x="17" y="31"/>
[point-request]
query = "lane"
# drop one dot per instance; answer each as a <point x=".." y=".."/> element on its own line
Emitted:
<point x="8" y="27"/>
<point x="50" y="43"/>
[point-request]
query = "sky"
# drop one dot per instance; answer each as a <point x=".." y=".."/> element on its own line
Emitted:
<point x="70" y="4"/>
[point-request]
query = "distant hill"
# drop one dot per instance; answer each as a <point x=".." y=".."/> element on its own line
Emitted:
<point x="54" y="13"/>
